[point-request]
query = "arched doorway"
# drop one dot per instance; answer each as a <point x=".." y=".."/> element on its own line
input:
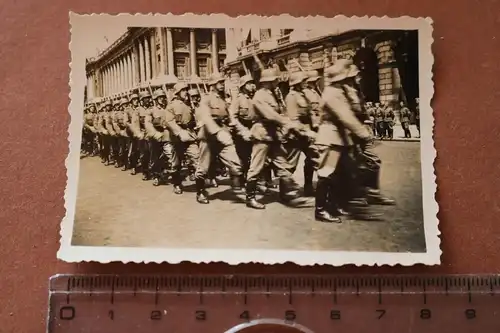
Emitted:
<point x="367" y="62"/>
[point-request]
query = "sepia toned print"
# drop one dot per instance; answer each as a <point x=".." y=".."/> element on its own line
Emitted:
<point x="251" y="139"/>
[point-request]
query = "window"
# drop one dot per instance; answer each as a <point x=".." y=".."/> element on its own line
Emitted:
<point x="203" y="67"/>
<point x="180" y="67"/>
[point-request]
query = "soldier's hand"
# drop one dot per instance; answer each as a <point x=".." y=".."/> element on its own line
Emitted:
<point x="246" y="135"/>
<point x="184" y="136"/>
<point x="311" y="135"/>
<point x="224" y="138"/>
<point x="157" y="136"/>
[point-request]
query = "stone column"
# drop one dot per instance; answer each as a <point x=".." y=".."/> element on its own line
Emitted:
<point x="135" y="64"/>
<point x="111" y="78"/>
<point x="170" y="52"/>
<point x="103" y="73"/>
<point x="115" y="77"/>
<point x="215" y="52"/>
<point x="107" y="81"/>
<point x="119" y="76"/>
<point x="154" y="55"/>
<point x="147" y="58"/>
<point x="128" y="71"/>
<point x="142" y="67"/>
<point x="161" y="34"/>
<point x="192" y="51"/>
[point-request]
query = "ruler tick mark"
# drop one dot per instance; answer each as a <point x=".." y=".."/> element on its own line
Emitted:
<point x="113" y="291"/>
<point x="424" y="293"/>
<point x="469" y="294"/>
<point x="290" y="298"/>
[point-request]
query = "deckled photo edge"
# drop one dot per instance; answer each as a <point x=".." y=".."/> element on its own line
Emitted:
<point x="70" y="253"/>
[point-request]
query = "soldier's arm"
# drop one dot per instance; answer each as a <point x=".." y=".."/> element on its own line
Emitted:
<point x="133" y="124"/>
<point x="151" y="131"/>
<point x="339" y="106"/>
<point x="170" y="122"/>
<point x="109" y="125"/>
<point x="234" y="109"/>
<point x="266" y="111"/>
<point x="203" y="116"/>
<point x="114" y="122"/>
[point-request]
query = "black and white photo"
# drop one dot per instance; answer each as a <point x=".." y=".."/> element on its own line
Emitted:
<point x="251" y="139"/>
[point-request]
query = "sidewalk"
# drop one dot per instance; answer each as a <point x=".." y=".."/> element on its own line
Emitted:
<point x="399" y="134"/>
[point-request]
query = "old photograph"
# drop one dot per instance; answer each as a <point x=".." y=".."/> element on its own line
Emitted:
<point x="209" y="138"/>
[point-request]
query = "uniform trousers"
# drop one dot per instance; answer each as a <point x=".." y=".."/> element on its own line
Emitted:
<point x="275" y="150"/>
<point x="182" y="151"/>
<point x="244" y="151"/>
<point x="158" y="156"/>
<point x="106" y="147"/>
<point x="389" y="129"/>
<point x="380" y="128"/>
<point x="334" y="165"/>
<point x="210" y="147"/>
<point x="133" y="152"/>
<point x="294" y="148"/>
<point x="144" y="156"/>
<point x="122" y="150"/>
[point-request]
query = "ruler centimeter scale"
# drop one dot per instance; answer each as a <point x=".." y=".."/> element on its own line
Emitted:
<point x="276" y="303"/>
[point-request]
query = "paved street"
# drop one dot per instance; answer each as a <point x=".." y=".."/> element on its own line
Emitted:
<point x="117" y="209"/>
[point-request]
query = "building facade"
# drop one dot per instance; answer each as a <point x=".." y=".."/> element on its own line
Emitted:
<point x="388" y="60"/>
<point x="141" y="55"/>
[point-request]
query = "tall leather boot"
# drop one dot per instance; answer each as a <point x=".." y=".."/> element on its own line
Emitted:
<point x="236" y="184"/>
<point x="201" y="193"/>
<point x="289" y="194"/>
<point x="373" y="194"/>
<point x="251" y="201"/>
<point x="308" y="180"/>
<point x="177" y="182"/>
<point x="321" y="212"/>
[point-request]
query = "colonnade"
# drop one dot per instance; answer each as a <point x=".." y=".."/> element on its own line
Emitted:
<point x="147" y="57"/>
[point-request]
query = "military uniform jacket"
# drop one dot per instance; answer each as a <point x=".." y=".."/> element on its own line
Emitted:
<point x="142" y="114"/>
<point x="241" y="113"/>
<point x="212" y="115"/>
<point x="89" y="122"/>
<point x="108" y="123"/>
<point x="120" y="123"/>
<point x="339" y="121"/>
<point x="154" y="122"/>
<point x="132" y="116"/>
<point x="179" y="116"/>
<point x="314" y="99"/>
<point x="379" y="115"/>
<point x="267" y="116"/>
<point x="389" y="116"/>
<point x="405" y="115"/>
<point x="298" y="109"/>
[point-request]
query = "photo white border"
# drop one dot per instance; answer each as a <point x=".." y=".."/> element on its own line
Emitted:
<point x="104" y="254"/>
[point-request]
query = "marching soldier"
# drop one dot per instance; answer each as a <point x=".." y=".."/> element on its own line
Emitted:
<point x="334" y="142"/>
<point x="215" y="138"/>
<point x="113" y="135"/>
<point x="98" y="121"/>
<point x="368" y="162"/>
<point x="144" y="111"/>
<point x="180" y="121"/>
<point x="106" y="134"/>
<point x="389" y="122"/>
<point x="268" y="130"/>
<point x="239" y="112"/>
<point x="119" y="121"/>
<point x="404" y="117"/>
<point x="89" y="130"/>
<point x="134" y="133"/>
<point x="312" y="94"/>
<point x="159" y="137"/>
<point x="379" y="120"/>
<point x="298" y="110"/>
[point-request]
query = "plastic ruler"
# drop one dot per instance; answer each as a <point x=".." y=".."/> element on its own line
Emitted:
<point x="247" y="303"/>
